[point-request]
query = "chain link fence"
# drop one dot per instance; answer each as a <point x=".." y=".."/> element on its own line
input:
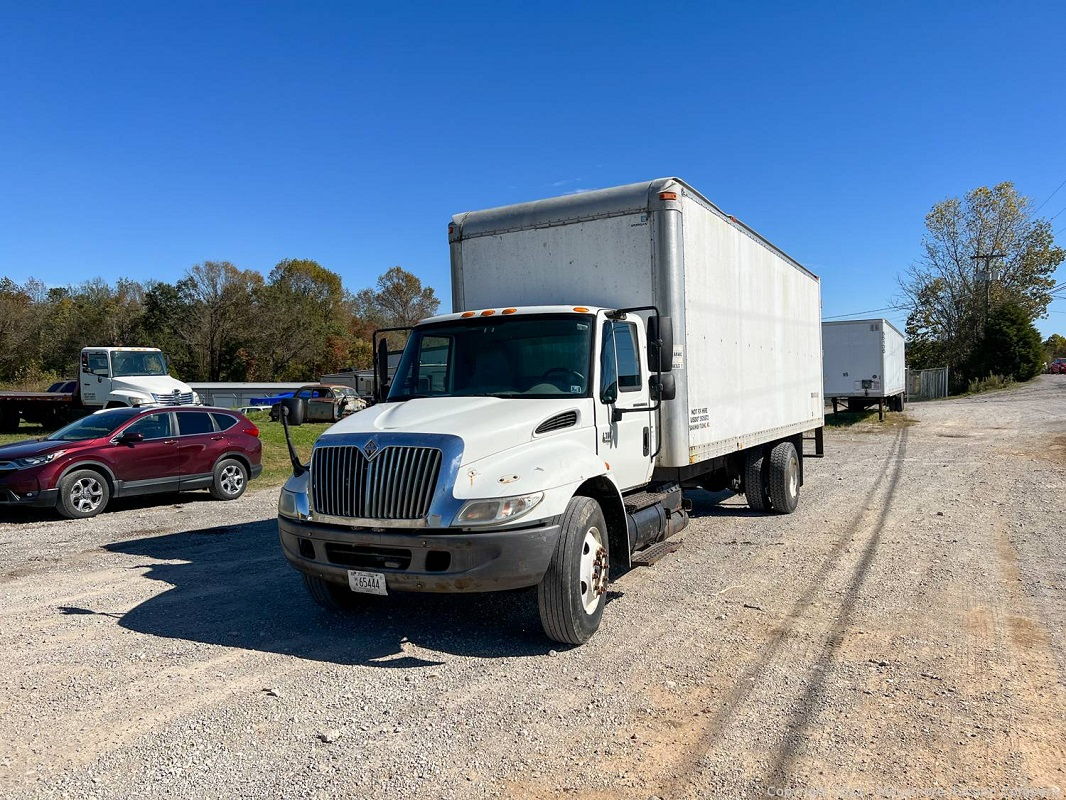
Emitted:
<point x="927" y="384"/>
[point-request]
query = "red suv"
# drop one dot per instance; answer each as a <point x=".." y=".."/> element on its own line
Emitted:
<point x="127" y="451"/>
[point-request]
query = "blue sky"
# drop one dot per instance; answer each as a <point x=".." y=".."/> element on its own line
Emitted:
<point x="140" y="138"/>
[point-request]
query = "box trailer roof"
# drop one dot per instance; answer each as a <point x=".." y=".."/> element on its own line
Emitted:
<point x="882" y="320"/>
<point x="596" y="204"/>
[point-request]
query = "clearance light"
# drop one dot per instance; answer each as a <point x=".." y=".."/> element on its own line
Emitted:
<point x="451" y="229"/>
<point x="467" y="314"/>
<point x="487" y="313"/>
<point x="667" y="195"/>
<point x="509" y="311"/>
<point x="580" y="309"/>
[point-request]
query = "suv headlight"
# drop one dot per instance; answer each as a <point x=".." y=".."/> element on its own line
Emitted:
<point x="36" y="461"/>
<point x="501" y="509"/>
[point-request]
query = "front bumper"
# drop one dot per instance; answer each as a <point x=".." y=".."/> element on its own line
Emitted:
<point x="420" y="561"/>
<point x="43" y="499"/>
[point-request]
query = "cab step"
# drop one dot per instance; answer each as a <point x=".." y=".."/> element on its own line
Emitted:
<point x="651" y="554"/>
<point x="635" y="502"/>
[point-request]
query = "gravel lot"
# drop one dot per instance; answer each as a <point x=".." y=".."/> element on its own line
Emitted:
<point x="904" y="631"/>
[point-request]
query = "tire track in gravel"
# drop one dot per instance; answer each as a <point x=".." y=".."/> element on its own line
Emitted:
<point x="711" y="733"/>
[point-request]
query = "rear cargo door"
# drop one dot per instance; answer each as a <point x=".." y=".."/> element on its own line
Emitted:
<point x="626" y="442"/>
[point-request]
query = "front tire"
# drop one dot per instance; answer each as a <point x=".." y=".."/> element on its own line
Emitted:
<point x="333" y="596"/>
<point x="571" y="594"/>
<point x="784" y="478"/>
<point x="82" y="494"/>
<point x="231" y="479"/>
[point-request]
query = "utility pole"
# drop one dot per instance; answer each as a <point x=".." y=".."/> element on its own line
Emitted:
<point x="987" y="258"/>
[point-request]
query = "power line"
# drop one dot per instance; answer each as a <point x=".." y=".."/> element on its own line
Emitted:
<point x="1050" y="196"/>
<point x="870" y="311"/>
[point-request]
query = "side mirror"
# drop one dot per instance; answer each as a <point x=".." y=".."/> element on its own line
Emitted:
<point x="662" y="387"/>
<point x="381" y="368"/>
<point x="292" y="410"/>
<point x="660" y="356"/>
<point x="609" y="394"/>
<point x="131" y="437"/>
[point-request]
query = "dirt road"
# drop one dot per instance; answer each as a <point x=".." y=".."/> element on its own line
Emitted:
<point x="902" y="634"/>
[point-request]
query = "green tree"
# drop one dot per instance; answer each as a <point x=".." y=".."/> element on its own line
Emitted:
<point x="1010" y="347"/>
<point x="216" y="301"/>
<point x="951" y="296"/>
<point x="1055" y="347"/>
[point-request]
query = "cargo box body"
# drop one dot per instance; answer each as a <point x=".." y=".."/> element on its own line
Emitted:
<point x="747" y="318"/>
<point x="863" y="358"/>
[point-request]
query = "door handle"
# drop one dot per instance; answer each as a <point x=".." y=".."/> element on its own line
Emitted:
<point x="218" y="438"/>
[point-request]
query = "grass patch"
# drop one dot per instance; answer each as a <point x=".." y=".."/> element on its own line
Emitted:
<point x="868" y="419"/>
<point x="993" y="383"/>
<point x="276" y="466"/>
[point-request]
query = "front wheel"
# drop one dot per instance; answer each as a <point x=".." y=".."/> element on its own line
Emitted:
<point x="571" y="594"/>
<point x="83" y="493"/>
<point x="333" y="596"/>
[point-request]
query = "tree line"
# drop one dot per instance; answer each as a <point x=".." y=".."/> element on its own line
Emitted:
<point x="218" y="323"/>
<point x="984" y="275"/>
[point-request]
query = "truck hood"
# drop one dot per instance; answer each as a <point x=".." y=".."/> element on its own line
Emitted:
<point x="487" y="425"/>
<point x="154" y="384"/>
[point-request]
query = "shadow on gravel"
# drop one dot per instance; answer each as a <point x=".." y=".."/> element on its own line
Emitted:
<point x="710" y="504"/>
<point x="233" y="587"/>
<point x="171" y="499"/>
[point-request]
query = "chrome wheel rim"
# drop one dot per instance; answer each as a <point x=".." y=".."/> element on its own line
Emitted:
<point x="232" y="479"/>
<point x="86" y="495"/>
<point x="592" y="571"/>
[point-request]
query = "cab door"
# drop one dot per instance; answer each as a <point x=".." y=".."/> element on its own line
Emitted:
<point x="95" y="383"/>
<point x="626" y="439"/>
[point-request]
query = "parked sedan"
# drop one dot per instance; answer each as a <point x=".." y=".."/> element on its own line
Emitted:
<point x="129" y="451"/>
<point x="325" y="402"/>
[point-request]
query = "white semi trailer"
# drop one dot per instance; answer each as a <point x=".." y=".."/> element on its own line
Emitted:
<point x="606" y="350"/>
<point x="864" y="364"/>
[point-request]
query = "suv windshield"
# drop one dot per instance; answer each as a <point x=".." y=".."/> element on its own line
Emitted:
<point x="94" y="426"/>
<point x="529" y="356"/>
<point x="126" y="364"/>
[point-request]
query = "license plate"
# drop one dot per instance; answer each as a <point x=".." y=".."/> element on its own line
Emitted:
<point x="366" y="582"/>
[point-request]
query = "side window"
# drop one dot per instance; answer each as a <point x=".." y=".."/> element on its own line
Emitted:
<point x="625" y="345"/>
<point x="608" y="366"/>
<point x="433" y="358"/>
<point x="153" y="426"/>
<point x="97" y="363"/>
<point x="224" y="421"/>
<point x="191" y="423"/>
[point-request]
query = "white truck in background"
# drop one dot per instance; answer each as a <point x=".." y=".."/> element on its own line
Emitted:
<point x="108" y="377"/>
<point x="607" y="350"/>
<point x="864" y="364"/>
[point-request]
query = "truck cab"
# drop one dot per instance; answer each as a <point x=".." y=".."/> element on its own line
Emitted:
<point x="506" y="442"/>
<point x="111" y="377"/>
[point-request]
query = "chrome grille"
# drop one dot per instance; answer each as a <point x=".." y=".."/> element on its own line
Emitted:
<point x="174" y="399"/>
<point x="397" y="483"/>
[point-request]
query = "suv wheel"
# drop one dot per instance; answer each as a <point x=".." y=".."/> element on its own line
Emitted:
<point x="82" y="493"/>
<point x="231" y="479"/>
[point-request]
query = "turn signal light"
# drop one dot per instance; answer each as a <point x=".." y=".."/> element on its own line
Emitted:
<point x="667" y="195"/>
<point x="467" y="314"/>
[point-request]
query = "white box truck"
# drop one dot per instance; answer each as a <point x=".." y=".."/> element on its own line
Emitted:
<point x="606" y="350"/>
<point x="864" y="364"/>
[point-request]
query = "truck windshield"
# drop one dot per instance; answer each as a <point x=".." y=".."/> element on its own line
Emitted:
<point x="528" y="356"/>
<point x="94" y="426"/>
<point x="127" y="364"/>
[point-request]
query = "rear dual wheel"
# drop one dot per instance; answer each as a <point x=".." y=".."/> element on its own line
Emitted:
<point x="771" y="479"/>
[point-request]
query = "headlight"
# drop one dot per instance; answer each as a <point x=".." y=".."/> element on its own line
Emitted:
<point x="36" y="461"/>
<point x="293" y="505"/>
<point x="485" y="512"/>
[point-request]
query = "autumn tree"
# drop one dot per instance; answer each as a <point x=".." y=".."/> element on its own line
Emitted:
<point x="1055" y="347"/>
<point x="215" y="306"/>
<point x="950" y="294"/>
